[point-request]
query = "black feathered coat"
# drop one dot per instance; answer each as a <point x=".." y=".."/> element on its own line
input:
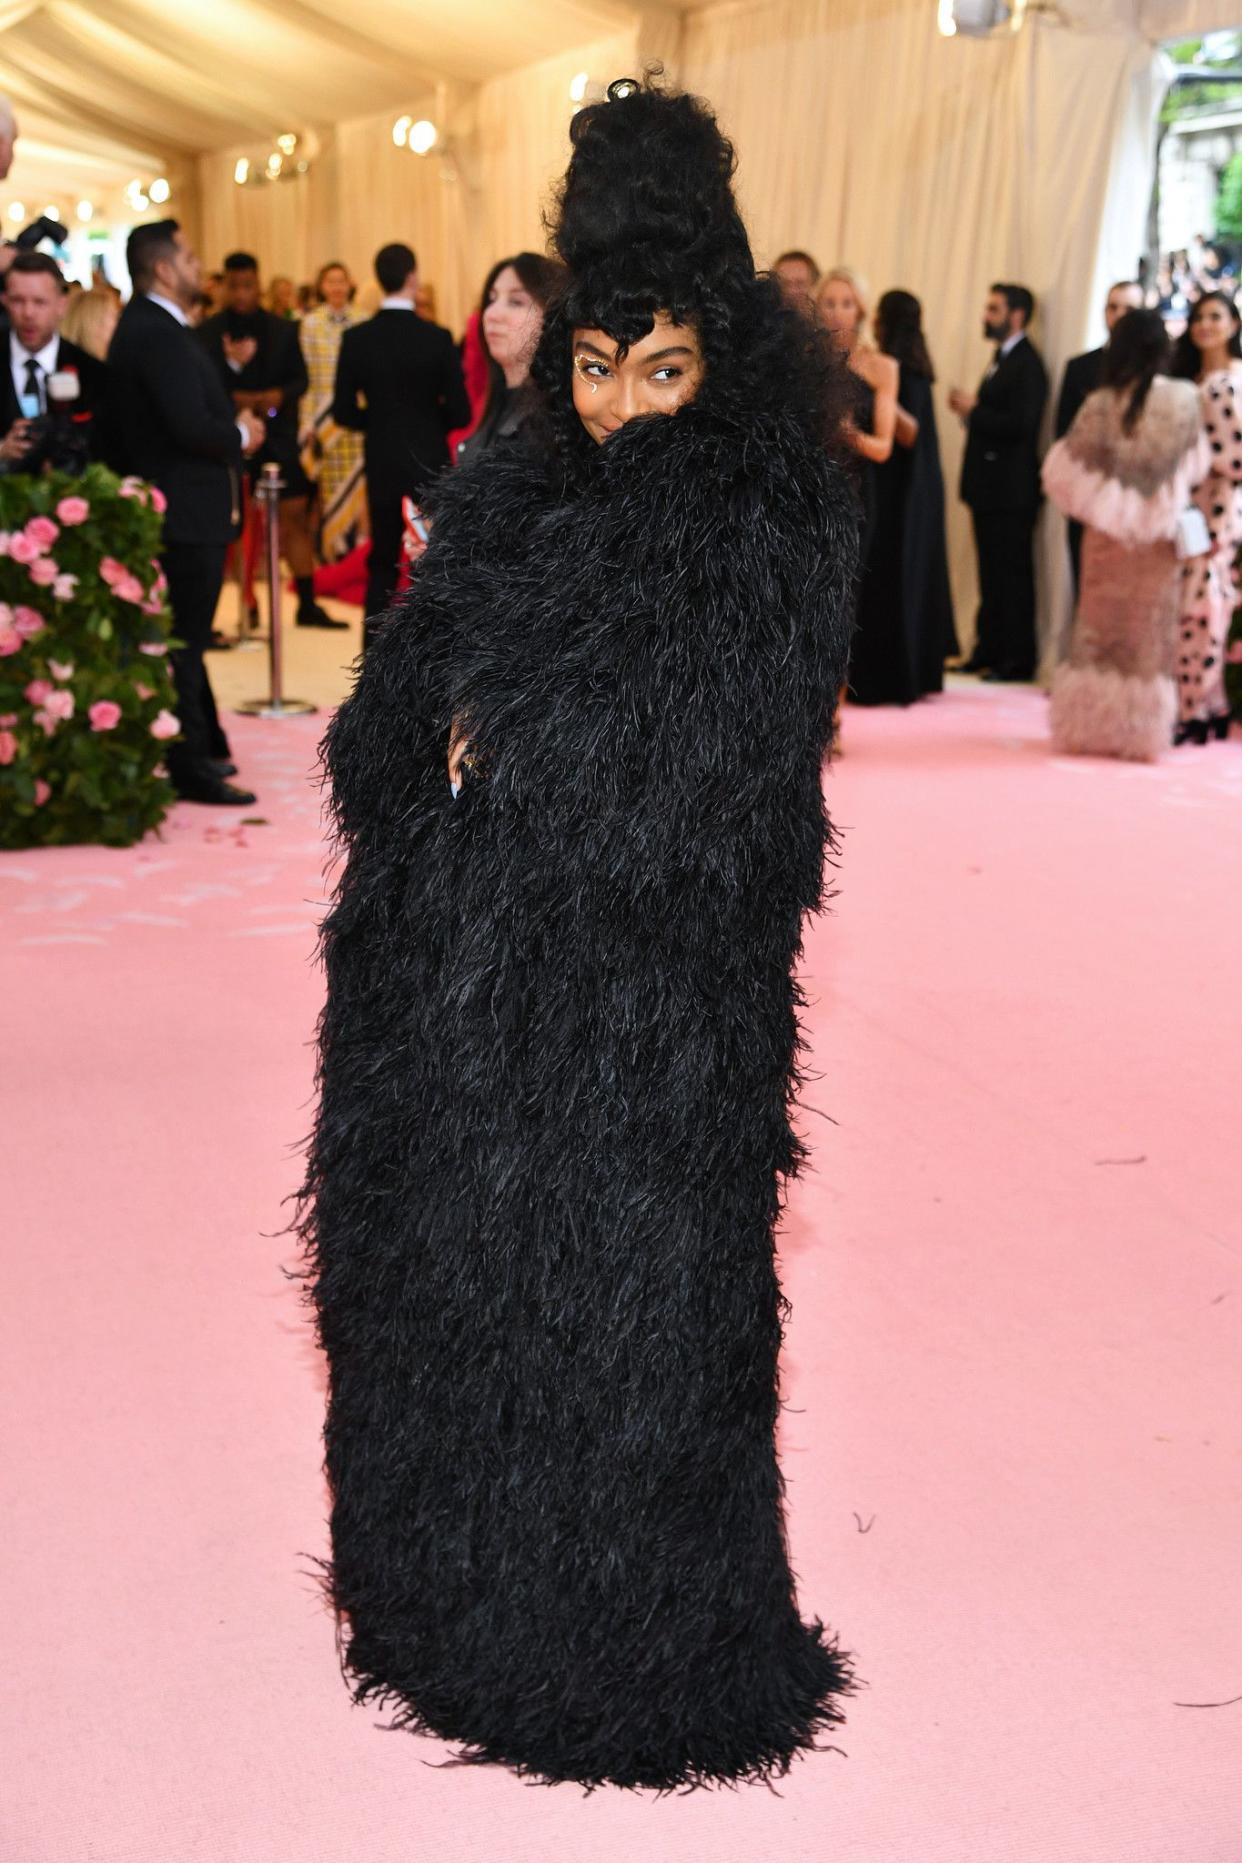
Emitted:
<point x="557" y="1059"/>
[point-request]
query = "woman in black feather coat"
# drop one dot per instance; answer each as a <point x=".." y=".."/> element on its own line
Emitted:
<point x="559" y="1050"/>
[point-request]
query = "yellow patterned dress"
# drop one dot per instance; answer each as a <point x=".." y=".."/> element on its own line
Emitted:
<point x="331" y="455"/>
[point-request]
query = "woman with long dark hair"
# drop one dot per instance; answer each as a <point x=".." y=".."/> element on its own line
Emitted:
<point x="578" y="788"/>
<point x="1210" y="355"/>
<point x="905" y="607"/>
<point x="1125" y="471"/>
<point x="516" y="293"/>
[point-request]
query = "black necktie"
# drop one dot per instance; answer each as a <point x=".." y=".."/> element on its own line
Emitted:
<point x="34" y="380"/>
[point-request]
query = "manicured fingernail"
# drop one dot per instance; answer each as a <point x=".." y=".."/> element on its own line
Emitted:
<point x="456" y="789"/>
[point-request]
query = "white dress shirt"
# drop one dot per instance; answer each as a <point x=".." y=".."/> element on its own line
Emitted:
<point x="396" y="303"/>
<point x="45" y="360"/>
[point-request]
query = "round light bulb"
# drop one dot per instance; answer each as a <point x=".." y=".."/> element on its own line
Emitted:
<point x="17" y="210"/>
<point x="400" y="130"/>
<point x="578" y="86"/>
<point x="159" y="189"/>
<point x="423" y="136"/>
<point x="241" y="174"/>
<point x="85" y="210"/>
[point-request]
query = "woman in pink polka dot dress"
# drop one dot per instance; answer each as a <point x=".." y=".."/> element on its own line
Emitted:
<point x="1210" y="354"/>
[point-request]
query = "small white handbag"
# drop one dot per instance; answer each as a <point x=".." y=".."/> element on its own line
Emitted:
<point x="1192" y="537"/>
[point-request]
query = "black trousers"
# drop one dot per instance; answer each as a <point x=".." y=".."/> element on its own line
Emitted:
<point x="1004" y="541"/>
<point x="383" y="565"/>
<point x="1075" y="550"/>
<point x="195" y="574"/>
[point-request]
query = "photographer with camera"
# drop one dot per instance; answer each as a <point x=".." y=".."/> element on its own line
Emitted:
<point x="51" y="389"/>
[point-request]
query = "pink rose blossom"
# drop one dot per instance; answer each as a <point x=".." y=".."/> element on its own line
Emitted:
<point x="144" y="692"/>
<point x="158" y="501"/>
<point x="42" y="791"/>
<point x="10" y="642"/>
<point x="73" y="510"/>
<point x="105" y="715"/>
<point x="38" y="690"/>
<point x="153" y="647"/>
<point x="111" y="571"/>
<point x="131" y="487"/>
<point x="8" y="747"/>
<point x="23" y="549"/>
<point x="60" y="669"/>
<point x="7" y="719"/>
<point x="6" y="538"/>
<point x="28" y="622"/>
<point x="44" y="572"/>
<point x="46" y="720"/>
<point x="43" y="532"/>
<point x="65" y="588"/>
<point x="128" y="589"/>
<point x="60" y="704"/>
<point x="166" y="724"/>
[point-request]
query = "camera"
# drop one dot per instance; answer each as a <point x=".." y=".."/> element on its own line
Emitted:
<point x="59" y="437"/>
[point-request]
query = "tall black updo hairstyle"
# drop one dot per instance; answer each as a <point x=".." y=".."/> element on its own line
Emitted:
<point x="646" y="221"/>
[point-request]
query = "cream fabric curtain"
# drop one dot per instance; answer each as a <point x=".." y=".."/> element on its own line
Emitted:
<point x="939" y="165"/>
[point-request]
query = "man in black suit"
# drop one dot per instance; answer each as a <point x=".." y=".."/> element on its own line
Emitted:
<point x="258" y="359"/>
<point x="1083" y="375"/>
<point x="170" y="421"/>
<point x="35" y="298"/>
<point x="1000" y="483"/>
<point x="398" y="382"/>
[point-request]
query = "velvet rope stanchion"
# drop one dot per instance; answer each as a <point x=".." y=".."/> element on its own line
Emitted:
<point x="270" y="486"/>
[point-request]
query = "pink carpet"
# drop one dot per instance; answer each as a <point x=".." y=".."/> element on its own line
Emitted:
<point x="1013" y="1369"/>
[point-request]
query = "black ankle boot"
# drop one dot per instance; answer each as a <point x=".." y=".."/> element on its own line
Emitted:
<point x="1220" y="723"/>
<point x="1191" y="731"/>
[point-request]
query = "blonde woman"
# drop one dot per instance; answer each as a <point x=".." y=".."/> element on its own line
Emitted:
<point x="331" y="455"/>
<point x="89" y="321"/>
<point x="843" y="300"/>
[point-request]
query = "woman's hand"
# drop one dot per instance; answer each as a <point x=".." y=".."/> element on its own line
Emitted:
<point x="459" y="747"/>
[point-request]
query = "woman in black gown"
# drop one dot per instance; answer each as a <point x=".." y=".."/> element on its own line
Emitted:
<point x="578" y="788"/>
<point x="905" y="608"/>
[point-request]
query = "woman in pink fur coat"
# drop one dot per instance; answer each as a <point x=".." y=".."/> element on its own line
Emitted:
<point x="1126" y="470"/>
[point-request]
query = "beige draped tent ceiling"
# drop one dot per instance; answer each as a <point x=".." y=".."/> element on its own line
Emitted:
<point x="937" y="164"/>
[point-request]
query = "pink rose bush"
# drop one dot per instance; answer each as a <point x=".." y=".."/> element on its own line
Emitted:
<point x="42" y="532"/>
<point x="87" y="703"/>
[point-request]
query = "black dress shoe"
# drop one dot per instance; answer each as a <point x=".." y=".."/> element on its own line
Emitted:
<point x="1008" y="676"/>
<point x="214" y="789"/>
<point x="223" y="766"/>
<point x="973" y="665"/>
<point x="1191" y="731"/>
<point x="315" y="616"/>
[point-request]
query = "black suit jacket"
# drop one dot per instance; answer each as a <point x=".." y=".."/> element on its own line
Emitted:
<point x="1000" y="471"/>
<point x="277" y="363"/>
<point x="170" y="421"/>
<point x="409" y="372"/>
<point x="92" y="379"/>
<point x="1082" y="377"/>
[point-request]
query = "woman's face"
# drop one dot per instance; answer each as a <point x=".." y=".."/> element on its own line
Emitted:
<point x="839" y="310"/>
<point x="335" y="287"/>
<point x="656" y="376"/>
<point x="511" y="321"/>
<point x="1212" y="326"/>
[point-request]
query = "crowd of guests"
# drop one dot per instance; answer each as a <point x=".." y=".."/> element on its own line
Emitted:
<point x="198" y="383"/>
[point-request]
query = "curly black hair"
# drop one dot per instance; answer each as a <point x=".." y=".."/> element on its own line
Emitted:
<point x="646" y="221"/>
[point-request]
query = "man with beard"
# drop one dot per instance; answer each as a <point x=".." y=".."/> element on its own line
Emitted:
<point x="1000" y="484"/>
<point x="259" y="361"/>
